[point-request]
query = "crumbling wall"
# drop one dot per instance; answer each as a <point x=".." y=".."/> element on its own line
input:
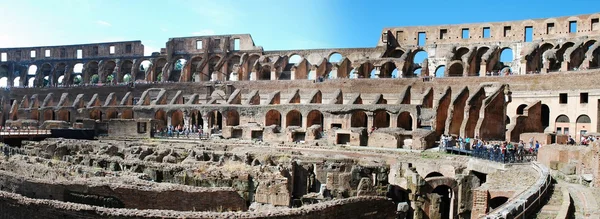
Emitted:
<point x="530" y="121"/>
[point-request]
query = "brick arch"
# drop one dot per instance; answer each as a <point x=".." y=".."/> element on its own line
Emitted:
<point x="232" y="117"/>
<point x="405" y="121"/>
<point x="273" y="117"/>
<point x="314" y="117"/>
<point x="293" y="118"/>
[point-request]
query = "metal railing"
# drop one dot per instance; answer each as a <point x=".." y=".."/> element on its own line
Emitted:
<point x="13" y="132"/>
<point x="496" y="154"/>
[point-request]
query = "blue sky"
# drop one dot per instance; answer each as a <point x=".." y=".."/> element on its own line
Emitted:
<point x="274" y="24"/>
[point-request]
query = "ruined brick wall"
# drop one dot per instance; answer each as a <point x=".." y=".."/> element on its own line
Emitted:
<point x="16" y="206"/>
<point x="181" y="198"/>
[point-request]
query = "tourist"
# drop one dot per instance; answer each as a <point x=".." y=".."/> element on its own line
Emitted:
<point x="537" y="146"/>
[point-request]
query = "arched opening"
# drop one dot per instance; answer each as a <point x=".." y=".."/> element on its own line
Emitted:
<point x="233" y="118"/>
<point x="64" y="115"/>
<point x="127" y="114"/>
<point x="475" y="67"/>
<point x="161" y="116"/>
<point x="458" y="55"/>
<point x="405" y="121"/>
<point x="562" y="123"/>
<point x="294" y="59"/>
<point x="125" y="71"/>
<point x="456" y="70"/>
<point x="213" y="69"/>
<point x="583" y="125"/>
<point x="387" y="70"/>
<point x="142" y="70"/>
<point x="358" y="119"/>
<point x="439" y="71"/>
<point x="196" y="120"/>
<point x="265" y="73"/>
<point x="177" y="119"/>
<point x="158" y="69"/>
<point x="46" y="74"/>
<point x="445" y="194"/>
<point x="108" y="75"/>
<point x="17" y="82"/>
<point x="507" y="120"/>
<point x="335" y="57"/>
<point x="497" y="202"/>
<point x="314" y="117"/>
<point x="197" y="70"/>
<point x="578" y="55"/>
<point x="506" y="56"/>
<point x="233" y="76"/>
<point x="521" y="108"/>
<point x="433" y="174"/>
<point x="419" y="63"/>
<point x="4" y="74"/>
<point x="31" y="72"/>
<point x="112" y="114"/>
<point x="293" y="118"/>
<point x="59" y="73"/>
<point x="373" y="73"/>
<point x="273" y="117"/>
<point x="177" y="69"/>
<point x="215" y="120"/>
<point x="381" y="119"/>
<point x="96" y="115"/>
<point x="48" y="114"/>
<point x="545" y="116"/>
<point x="365" y="70"/>
<point x="76" y="77"/>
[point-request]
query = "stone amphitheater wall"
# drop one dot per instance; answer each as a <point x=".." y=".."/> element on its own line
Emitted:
<point x="173" y="197"/>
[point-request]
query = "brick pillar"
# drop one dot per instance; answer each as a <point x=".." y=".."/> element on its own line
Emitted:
<point x="480" y="203"/>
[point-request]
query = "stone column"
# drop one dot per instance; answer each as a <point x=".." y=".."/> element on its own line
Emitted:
<point x="186" y="119"/>
<point x="293" y="73"/>
<point x="168" y="119"/>
<point x="370" y="119"/>
<point x="483" y="69"/>
<point x="564" y="65"/>
<point x="253" y="76"/>
<point x="274" y="75"/>
<point x="377" y="71"/>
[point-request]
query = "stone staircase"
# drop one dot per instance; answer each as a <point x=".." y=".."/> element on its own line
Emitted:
<point x="552" y="207"/>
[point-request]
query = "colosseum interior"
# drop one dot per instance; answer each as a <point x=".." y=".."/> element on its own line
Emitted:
<point x="218" y="127"/>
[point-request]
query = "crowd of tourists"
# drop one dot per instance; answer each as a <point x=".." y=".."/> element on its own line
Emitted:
<point x="496" y="151"/>
<point x="180" y="131"/>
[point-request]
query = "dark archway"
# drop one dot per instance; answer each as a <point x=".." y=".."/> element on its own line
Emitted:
<point x="434" y="174"/>
<point x="161" y="116"/>
<point x="545" y="116"/>
<point x="497" y="202"/>
<point x="445" y="194"/>
<point x="405" y="121"/>
<point x="521" y="108"/>
<point x="381" y="119"/>
<point x="314" y="117"/>
<point x="358" y="119"/>
<point x="293" y="118"/>
<point x="96" y="115"/>
<point x="233" y="118"/>
<point x="273" y="117"/>
<point x="177" y="118"/>
<point x="215" y="120"/>
<point x="456" y="70"/>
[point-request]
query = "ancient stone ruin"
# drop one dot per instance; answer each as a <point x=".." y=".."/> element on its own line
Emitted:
<point x="218" y="127"/>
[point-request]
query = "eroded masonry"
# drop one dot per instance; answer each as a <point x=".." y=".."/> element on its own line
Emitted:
<point x="218" y="127"/>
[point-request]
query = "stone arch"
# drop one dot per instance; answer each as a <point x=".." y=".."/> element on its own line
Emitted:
<point x="197" y="72"/>
<point x="214" y="68"/>
<point x="59" y="74"/>
<point x="112" y="113"/>
<point x="176" y="118"/>
<point x="233" y="117"/>
<point x="144" y="67"/>
<point x="178" y="68"/>
<point x="419" y="60"/>
<point x="293" y="118"/>
<point x="161" y="116"/>
<point x="124" y="73"/>
<point x="96" y="114"/>
<point x="334" y="57"/>
<point x="314" y="117"/>
<point x="90" y="73"/>
<point x="157" y="72"/>
<point x="405" y="121"/>
<point x="521" y="108"/>
<point x="562" y="118"/>
<point x="232" y="73"/>
<point x="456" y="69"/>
<point x="434" y="174"/>
<point x="4" y="76"/>
<point x="48" y="114"/>
<point x="447" y="189"/>
<point x="583" y="119"/>
<point x="381" y="119"/>
<point x="249" y="66"/>
<point x="127" y="114"/>
<point x="46" y="76"/>
<point x="215" y="120"/>
<point x="561" y="123"/>
<point x="63" y="115"/>
<point x="109" y="68"/>
<point x="497" y="202"/>
<point x="440" y="71"/>
<point x="358" y="119"/>
<point x="555" y="64"/>
<point x="264" y="73"/>
<point x="273" y="117"/>
<point x="577" y="56"/>
<point x="196" y="119"/>
<point x="535" y="63"/>
<point x="476" y="62"/>
<point x="364" y="70"/>
<point x="294" y="58"/>
<point x="460" y="52"/>
<point x="387" y="70"/>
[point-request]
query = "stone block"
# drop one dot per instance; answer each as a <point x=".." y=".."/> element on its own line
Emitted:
<point x="568" y="169"/>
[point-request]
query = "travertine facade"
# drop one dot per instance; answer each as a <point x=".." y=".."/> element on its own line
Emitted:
<point x="381" y="97"/>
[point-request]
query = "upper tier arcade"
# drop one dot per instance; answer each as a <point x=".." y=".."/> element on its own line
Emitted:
<point x="532" y="46"/>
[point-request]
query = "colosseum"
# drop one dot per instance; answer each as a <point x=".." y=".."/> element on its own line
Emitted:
<point x="484" y="120"/>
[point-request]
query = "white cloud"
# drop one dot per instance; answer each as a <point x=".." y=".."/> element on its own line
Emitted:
<point x="204" y="32"/>
<point x="164" y="29"/>
<point x="148" y="50"/>
<point x="103" y="23"/>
